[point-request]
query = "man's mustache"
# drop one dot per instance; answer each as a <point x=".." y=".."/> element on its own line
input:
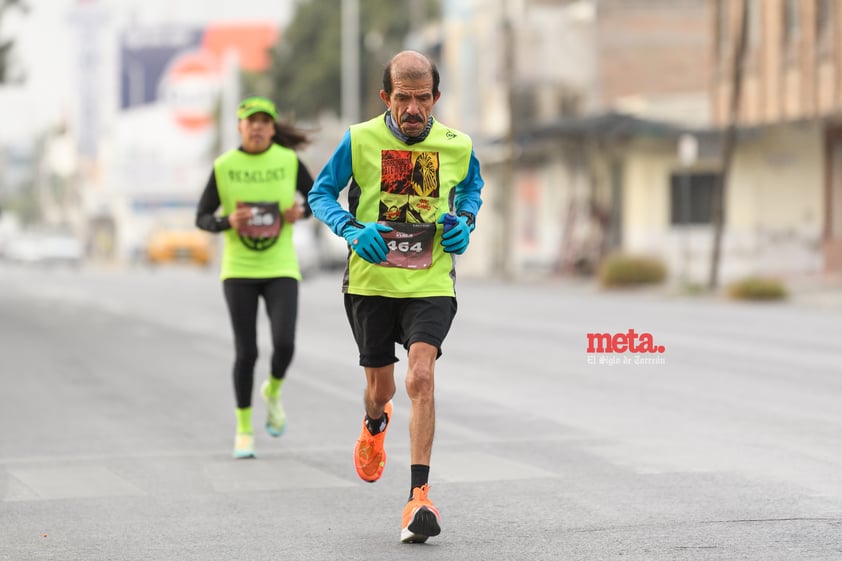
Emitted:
<point x="412" y="119"/>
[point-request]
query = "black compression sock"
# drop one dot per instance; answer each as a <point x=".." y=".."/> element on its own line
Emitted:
<point x="420" y="475"/>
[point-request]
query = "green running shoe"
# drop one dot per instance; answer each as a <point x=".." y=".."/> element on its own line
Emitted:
<point x="276" y="419"/>
<point x="244" y="445"/>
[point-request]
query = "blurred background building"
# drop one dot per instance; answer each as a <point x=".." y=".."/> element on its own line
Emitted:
<point x="601" y="125"/>
<point x="788" y="175"/>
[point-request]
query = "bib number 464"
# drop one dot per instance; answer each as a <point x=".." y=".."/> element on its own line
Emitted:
<point x="405" y="247"/>
<point x="410" y="245"/>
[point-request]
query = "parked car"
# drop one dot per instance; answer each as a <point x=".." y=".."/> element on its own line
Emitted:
<point x="179" y="244"/>
<point x="45" y="248"/>
<point x="188" y="244"/>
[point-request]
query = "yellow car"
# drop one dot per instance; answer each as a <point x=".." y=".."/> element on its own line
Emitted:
<point x="182" y="244"/>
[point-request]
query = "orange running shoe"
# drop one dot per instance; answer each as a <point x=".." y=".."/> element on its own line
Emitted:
<point x="420" y="517"/>
<point x="369" y="454"/>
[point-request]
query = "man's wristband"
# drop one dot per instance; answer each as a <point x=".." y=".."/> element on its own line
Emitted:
<point x="469" y="216"/>
<point x="352" y="222"/>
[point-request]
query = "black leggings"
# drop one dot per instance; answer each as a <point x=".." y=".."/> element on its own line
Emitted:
<point x="281" y="298"/>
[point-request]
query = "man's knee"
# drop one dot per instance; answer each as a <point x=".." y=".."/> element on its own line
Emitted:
<point x="381" y="384"/>
<point x="421" y="374"/>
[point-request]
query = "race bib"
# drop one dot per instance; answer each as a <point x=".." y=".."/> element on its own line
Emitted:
<point x="265" y="221"/>
<point x="410" y="245"/>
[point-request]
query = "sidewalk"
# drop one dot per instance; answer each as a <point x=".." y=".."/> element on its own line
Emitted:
<point x="822" y="291"/>
<point x="819" y="291"/>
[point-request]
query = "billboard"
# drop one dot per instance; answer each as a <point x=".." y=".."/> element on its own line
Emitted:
<point x="172" y="82"/>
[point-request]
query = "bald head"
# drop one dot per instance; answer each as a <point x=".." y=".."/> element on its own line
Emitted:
<point x="409" y="66"/>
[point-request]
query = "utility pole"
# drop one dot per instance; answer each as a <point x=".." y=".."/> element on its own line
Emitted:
<point x="505" y="197"/>
<point x="688" y="152"/>
<point x="728" y="144"/>
<point x="350" y="58"/>
<point x="417" y="12"/>
<point x="230" y="98"/>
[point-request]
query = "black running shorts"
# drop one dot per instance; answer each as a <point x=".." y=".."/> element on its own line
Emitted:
<point x="379" y="322"/>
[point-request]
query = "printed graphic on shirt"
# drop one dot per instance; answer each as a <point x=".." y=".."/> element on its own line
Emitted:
<point x="252" y="176"/>
<point x="409" y="188"/>
<point x="263" y="227"/>
<point x="402" y="208"/>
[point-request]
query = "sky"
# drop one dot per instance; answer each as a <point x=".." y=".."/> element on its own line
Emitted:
<point x="47" y="47"/>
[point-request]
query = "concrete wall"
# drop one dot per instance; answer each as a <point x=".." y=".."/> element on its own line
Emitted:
<point x="774" y="208"/>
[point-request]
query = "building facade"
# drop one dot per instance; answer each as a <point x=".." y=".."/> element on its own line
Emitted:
<point x="653" y="59"/>
<point x="792" y="64"/>
<point x="791" y="72"/>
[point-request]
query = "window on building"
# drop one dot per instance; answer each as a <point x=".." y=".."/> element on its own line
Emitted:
<point x="691" y="197"/>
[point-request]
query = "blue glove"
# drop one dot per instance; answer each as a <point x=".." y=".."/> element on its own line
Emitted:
<point x="366" y="241"/>
<point x="456" y="239"/>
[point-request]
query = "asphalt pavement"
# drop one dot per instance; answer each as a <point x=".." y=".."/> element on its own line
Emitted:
<point x="116" y="427"/>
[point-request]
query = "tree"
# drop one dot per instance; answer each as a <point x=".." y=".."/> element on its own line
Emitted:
<point x="305" y="77"/>
<point x="6" y="46"/>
